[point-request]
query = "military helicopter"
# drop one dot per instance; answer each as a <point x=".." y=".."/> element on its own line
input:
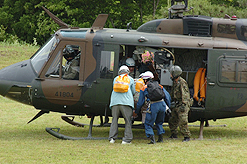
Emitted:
<point x="212" y="53"/>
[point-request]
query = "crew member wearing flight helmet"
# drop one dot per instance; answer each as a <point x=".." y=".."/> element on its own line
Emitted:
<point x="71" y="68"/>
<point x="181" y="96"/>
<point x="134" y="73"/>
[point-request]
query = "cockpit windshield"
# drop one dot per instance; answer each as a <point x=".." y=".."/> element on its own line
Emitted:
<point x="42" y="54"/>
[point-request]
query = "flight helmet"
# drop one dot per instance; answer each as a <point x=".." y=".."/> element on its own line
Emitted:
<point x="68" y="51"/>
<point x="130" y="62"/>
<point x="175" y="71"/>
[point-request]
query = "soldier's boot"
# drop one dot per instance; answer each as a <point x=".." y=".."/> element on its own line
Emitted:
<point x="173" y="136"/>
<point x="152" y="140"/>
<point x="186" y="139"/>
<point x="160" y="139"/>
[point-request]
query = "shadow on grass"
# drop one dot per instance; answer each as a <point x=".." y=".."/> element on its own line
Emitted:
<point x="219" y="132"/>
<point x="38" y="132"/>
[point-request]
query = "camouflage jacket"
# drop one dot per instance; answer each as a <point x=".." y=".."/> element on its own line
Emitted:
<point x="71" y="70"/>
<point x="180" y="92"/>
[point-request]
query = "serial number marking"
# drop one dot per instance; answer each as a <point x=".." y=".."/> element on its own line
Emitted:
<point x="64" y="94"/>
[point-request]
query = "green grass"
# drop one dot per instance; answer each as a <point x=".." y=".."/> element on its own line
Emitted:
<point x="30" y="143"/>
<point x="13" y="53"/>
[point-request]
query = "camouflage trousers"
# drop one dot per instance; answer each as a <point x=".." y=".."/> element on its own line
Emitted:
<point x="179" y="117"/>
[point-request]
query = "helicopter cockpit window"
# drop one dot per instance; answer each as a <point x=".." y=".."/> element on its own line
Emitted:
<point x="233" y="71"/>
<point x="70" y="63"/>
<point x="53" y="71"/>
<point x="106" y="64"/>
<point x="41" y="55"/>
<point x="226" y="28"/>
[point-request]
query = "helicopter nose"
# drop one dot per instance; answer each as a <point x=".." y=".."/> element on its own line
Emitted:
<point x="16" y="76"/>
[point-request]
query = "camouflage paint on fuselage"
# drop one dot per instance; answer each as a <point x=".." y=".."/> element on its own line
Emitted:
<point x="91" y="94"/>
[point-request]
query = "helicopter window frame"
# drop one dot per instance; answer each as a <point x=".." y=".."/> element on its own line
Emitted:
<point x="233" y="71"/>
<point x="42" y="55"/>
<point x="61" y="68"/>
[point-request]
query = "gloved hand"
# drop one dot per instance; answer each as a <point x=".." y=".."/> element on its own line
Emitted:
<point x="168" y="112"/>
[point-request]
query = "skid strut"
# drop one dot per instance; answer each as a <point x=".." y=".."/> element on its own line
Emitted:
<point x="55" y="133"/>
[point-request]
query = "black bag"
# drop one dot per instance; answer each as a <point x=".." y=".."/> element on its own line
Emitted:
<point x="155" y="92"/>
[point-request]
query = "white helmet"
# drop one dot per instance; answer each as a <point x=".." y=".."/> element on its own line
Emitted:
<point x="147" y="75"/>
<point x="140" y="76"/>
<point x="123" y="69"/>
<point x="130" y="62"/>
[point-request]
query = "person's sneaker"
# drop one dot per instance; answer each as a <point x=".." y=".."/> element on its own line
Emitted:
<point x="124" y="142"/>
<point x="186" y="139"/>
<point x="112" y="140"/>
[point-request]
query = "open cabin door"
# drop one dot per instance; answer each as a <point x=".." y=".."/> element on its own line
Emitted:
<point x="226" y="80"/>
<point x="107" y="63"/>
<point x="61" y="77"/>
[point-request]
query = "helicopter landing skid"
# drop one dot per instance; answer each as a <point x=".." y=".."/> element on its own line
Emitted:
<point x="70" y="119"/>
<point x="55" y="133"/>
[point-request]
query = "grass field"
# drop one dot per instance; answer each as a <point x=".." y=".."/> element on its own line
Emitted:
<point x="30" y="143"/>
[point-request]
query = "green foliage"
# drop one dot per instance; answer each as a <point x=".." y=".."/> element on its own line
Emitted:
<point x="242" y="4"/>
<point x="6" y="18"/>
<point x="27" y="20"/>
<point x="212" y="10"/>
<point x="235" y="3"/>
<point x="8" y="38"/>
<point x="205" y="7"/>
<point x="2" y="33"/>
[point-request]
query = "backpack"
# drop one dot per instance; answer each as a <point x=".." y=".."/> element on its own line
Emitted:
<point x="155" y="92"/>
<point x="139" y="84"/>
<point x="122" y="84"/>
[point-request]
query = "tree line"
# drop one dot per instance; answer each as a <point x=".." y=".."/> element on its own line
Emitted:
<point x="25" y="20"/>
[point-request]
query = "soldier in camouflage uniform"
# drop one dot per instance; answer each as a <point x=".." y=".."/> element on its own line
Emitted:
<point x="181" y="96"/>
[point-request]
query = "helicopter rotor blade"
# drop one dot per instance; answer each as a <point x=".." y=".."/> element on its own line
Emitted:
<point x="99" y="22"/>
<point x="56" y="19"/>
